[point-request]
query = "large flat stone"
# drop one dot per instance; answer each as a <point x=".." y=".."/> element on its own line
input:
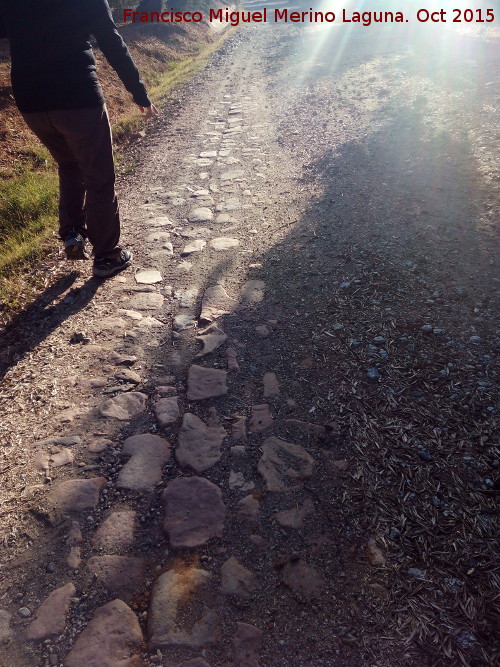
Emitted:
<point x="170" y="605"/>
<point x="294" y="517"/>
<point x="148" y="453"/>
<point x="252" y="292"/>
<point x="111" y="639"/>
<point x="247" y="645"/>
<point x="198" y="445"/>
<point x="224" y="243"/>
<point x="212" y="337"/>
<point x="124" y="406"/>
<point x="76" y="495"/>
<point x="194" y="512"/>
<point x="117" y="572"/>
<point x="116" y="532"/>
<point x="145" y="301"/>
<point x="303" y="579"/>
<point x="216" y="302"/>
<point x="284" y="465"/>
<point x="237" y="580"/>
<point x="205" y="383"/>
<point x="50" y="619"/>
<point x="166" y="411"/>
<point x="148" y="277"/>
<point x="201" y="214"/>
<point x="261" y="419"/>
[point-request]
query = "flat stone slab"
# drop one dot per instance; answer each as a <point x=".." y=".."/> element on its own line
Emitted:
<point x="60" y="440"/>
<point x="6" y="631"/>
<point x="56" y="459"/>
<point x="247" y="645"/>
<point x="155" y="237"/>
<point x="148" y="453"/>
<point x="237" y="482"/>
<point x="125" y="406"/>
<point x="252" y="292"/>
<point x="249" y="508"/>
<point x="116" y="532"/>
<point x="146" y="301"/>
<point x="239" y="429"/>
<point x="284" y="465"/>
<point x="172" y="593"/>
<point x="198" y="446"/>
<point x="128" y="375"/>
<point x="111" y="639"/>
<point x="303" y="579"/>
<point x="166" y="411"/>
<point x="195" y="246"/>
<point x="50" y="619"/>
<point x="206" y="383"/>
<point x="230" y="175"/>
<point x="99" y="445"/>
<point x="184" y="321"/>
<point x="271" y="385"/>
<point x="216" y="302"/>
<point x="148" y="277"/>
<point x="237" y="580"/>
<point x="76" y="495"/>
<point x="224" y="243"/>
<point x="212" y="337"/>
<point x="294" y="517"/>
<point x="194" y="512"/>
<point x="117" y="572"/>
<point x="201" y="214"/>
<point x="261" y="419"/>
<point x="232" y="361"/>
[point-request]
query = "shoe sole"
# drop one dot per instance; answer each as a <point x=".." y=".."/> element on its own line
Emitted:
<point x="117" y="269"/>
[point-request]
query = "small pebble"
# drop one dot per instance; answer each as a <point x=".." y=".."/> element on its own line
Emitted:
<point x="24" y="612"/>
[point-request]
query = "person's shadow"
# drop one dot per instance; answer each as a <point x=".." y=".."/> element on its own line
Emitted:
<point x="31" y="326"/>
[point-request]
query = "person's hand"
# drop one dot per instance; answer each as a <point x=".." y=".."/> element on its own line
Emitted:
<point x="149" y="112"/>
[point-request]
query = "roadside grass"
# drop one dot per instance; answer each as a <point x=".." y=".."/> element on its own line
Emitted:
<point x="29" y="189"/>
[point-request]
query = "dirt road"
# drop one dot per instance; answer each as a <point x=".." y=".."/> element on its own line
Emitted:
<point x="272" y="442"/>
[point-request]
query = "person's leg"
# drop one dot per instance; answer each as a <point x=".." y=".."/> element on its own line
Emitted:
<point x="88" y="134"/>
<point x="71" y="187"/>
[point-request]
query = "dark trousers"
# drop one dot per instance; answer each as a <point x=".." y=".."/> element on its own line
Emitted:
<point x="80" y="142"/>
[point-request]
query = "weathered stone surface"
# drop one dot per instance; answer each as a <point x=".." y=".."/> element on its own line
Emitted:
<point x="284" y="465"/>
<point x="302" y="579"/>
<point x="76" y="495"/>
<point x="74" y="558"/>
<point x="171" y="594"/>
<point x="194" y="511"/>
<point x="116" y="532"/>
<point x="184" y="321"/>
<point x="64" y="440"/>
<point x="216" y="302"/>
<point x="195" y="246"/>
<point x="224" y="243"/>
<point x="271" y="386"/>
<point x="148" y="453"/>
<point x="50" y="619"/>
<point x="74" y="536"/>
<point x="133" y="314"/>
<point x="187" y="297"/>
<point x="212" y="337"/>
<point x="111" y="639"/>
<point x="247" y="645"/>
<point x="205" y="383"/>
<point x="166" y="411"/>
<point x="249" y="508"/>
<point x="146" y="301"/>
<point x="128" y="375"/>
<point x="252" y="292"/>
<point x="148" y="277"/>
<point x="198" y="446"/>
<point x="195" y="662"/>
<point x="117" y="572"/>
<point x="307" y="427"/>
<point x="232" y="363"/>
<point x="201" y="214"/>
<point x="261" y="419"/>
<point x="6" y="631"/>
<point x="56" y="459"/>
<point x="124" y="406"/>
<point x="374" y="554"/>
<point x="237" y="580"/>
<point x="99" y="445"/>
<point x="230" y="175"/>
<point x="239" y="429"/>
<point x="122" y="359"/>
<point x="237" y="481"/>
<point x="293" y="518"/>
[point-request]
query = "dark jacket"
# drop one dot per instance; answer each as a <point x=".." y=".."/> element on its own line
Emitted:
<point x="53" y="65"/>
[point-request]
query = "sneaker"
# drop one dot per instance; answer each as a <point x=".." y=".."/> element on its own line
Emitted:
<point x="75" y="246"/>
<point x="108" y="266"/>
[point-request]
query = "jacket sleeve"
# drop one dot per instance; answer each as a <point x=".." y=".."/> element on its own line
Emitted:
<point x="116" y="52"/>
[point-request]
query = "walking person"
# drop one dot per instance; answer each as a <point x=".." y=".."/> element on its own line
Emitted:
<point x="57" y="91"/>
